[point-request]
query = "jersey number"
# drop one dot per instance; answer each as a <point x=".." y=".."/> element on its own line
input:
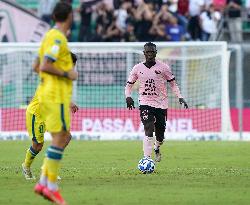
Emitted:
<point x="41" y="129"/>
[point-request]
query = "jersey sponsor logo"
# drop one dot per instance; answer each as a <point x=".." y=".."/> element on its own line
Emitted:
<point x="150" y="87"/>
<point x="55" y="49"/>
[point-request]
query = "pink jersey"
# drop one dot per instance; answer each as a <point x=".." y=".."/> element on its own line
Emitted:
<point x="152" y="84"/>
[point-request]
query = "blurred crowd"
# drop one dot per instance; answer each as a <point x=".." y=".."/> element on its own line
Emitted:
<point x="152" y="20"/>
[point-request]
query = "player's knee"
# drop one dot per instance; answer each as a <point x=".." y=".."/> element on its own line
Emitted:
<point x="68" y="140"/>
<point x="65" y="139"/>
<point x="159" y="134"/>
<point x="149" y="131"/>
<point x="160" y="138"/>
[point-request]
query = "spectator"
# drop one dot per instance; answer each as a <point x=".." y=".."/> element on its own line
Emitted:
<point x="129" y="35"/>
<point x="209" y="19"/>
<point x="182" y="7"/>
<point x="219" y="5"/>
<point x="159" y="24"/>
<point x="144" y="16"/>
<point x="174" y="31"/>
<point x="85" y="13"/>
<point x="97" y="36"/>
<point x="45" y="8"/>
<point x="163" y="14"/>
<point x="195" y="7"/>
<point x="104" y="17"/>
<point x="173" y="9"/>
<point x="113" y="33"/>
<point x="234" y="20"/>
<point x="122" y="15"/>
<point x="117" y="4"/>
<point x="157" y="31"/>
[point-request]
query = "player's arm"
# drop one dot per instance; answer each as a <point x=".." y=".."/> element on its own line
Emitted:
<point x="73" y="107"/>
<point x="51" y="54"/>
<point x="47" y="66"/>
<point x="174" y="87"/>
<point x="128" y="89"/>
<point x="177" y="92"/>
<point x="36" y="65"/>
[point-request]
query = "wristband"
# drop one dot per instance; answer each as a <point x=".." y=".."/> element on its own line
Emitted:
<point x="65" y="74"/>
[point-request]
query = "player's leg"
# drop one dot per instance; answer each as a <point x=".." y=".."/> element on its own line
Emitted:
<point x="160" y="126"/>
<point x="35" y="128"/>
<point x="57" y="123"/>
<point x="147" y="118"/>
<point x="68" y="140"/>
<point x="54" y="156"/>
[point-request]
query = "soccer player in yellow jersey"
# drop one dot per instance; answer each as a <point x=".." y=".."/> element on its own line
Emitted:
<point x="54" y="96"/>
<point x="36" y="127"/>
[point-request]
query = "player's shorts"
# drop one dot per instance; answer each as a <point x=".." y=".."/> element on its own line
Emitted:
<point x="156" y="115"/>
<point x="56" y="116"/>
<point x="35" y="127"/>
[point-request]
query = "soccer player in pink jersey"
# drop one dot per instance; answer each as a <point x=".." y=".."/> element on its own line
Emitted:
<point x="153" y="76"/>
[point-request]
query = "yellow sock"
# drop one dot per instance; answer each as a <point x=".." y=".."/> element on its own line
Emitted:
<point x="45" y="167"/>
<point x="53" y="169"/>
<point x="30" y="156"/>
<point x="54" y="156"/>
<point x="44" y="175"/>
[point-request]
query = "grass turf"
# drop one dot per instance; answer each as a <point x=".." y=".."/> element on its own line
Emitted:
<point x="105" y="172"/>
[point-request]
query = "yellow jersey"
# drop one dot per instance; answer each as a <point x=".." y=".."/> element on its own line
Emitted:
<point x="53" y="88"/>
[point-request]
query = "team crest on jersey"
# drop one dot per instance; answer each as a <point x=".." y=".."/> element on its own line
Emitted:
<point x="157" y="72"/>
<point x="57" y="41"/>
<point x="145" y="114"/>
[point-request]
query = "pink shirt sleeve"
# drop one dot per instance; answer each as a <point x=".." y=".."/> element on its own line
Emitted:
<point x="171" y="79"/>
<point x="131" y="80"/>
<point x="168" y="75"/>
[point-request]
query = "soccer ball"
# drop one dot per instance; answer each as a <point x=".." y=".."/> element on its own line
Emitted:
<point x="146" y="165"/>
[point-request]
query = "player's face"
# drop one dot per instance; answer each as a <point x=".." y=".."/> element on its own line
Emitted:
<point x="150" y="53"/>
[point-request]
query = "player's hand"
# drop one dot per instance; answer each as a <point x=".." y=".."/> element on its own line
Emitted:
<point x="73" y="107"/>
<point x="72" y="74"/>
<point x="130" y="103"/>
<point x="182" y="101"/>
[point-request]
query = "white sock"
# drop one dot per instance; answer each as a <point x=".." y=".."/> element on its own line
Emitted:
<point x="43" y="180"/>
<point x="52" y="186"/>
<point x="147" y="146"/>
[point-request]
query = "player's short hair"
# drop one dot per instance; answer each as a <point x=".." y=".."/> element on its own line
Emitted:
<point x="74" y="57"/>
<point x="149" y="44"/>
<point x="61" y="11"/>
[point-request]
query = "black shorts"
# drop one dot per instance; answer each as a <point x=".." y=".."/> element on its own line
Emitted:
<point x="156" y="115"/>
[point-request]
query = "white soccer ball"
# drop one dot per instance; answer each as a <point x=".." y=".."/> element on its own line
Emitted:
<point x="146" y="165"/>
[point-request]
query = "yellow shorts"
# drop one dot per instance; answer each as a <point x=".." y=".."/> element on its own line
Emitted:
<point x="35" y="127"/>
<point x="56" y="116"/>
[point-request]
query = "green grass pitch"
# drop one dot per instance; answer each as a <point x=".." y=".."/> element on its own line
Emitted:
<point x="105" y="173"/>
